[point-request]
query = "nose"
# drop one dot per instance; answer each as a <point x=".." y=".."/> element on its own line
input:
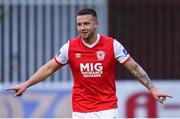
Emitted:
<point x="82" y="27"/>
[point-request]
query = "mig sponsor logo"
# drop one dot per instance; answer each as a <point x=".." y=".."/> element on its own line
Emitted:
<point x="91" y="69"/>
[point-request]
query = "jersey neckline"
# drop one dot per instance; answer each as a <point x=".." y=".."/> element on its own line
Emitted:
<point x="93" y="44"/>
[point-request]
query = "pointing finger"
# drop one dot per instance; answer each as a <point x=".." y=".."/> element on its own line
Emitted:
<point x="169" y="96"/>
<point x="10" y="88"/>
<point x="166" y="95"/>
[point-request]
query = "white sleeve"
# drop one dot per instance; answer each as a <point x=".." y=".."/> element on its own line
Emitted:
<point x="62" y="55"/>
<point x="120" y="52"/>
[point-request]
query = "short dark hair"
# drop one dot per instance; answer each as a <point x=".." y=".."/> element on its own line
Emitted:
<point x="87" y="11"/>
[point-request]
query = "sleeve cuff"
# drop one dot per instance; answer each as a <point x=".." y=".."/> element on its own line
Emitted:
<point x="126" y="60"/>
<point x="57" y="60"/>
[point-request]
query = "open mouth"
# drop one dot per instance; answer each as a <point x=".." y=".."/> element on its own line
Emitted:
<point x="84" y="33"/>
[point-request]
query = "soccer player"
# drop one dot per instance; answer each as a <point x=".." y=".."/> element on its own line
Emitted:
<point x="92" y="58"/>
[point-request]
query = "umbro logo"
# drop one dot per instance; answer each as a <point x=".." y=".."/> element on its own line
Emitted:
<point x="78" y="55"/>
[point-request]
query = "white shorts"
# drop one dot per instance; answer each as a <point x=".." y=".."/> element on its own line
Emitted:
<point x="111" y="113"/>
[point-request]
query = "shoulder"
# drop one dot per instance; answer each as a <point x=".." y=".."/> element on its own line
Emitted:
<point x="75" y="41"/>
<point x="106" y="37"/>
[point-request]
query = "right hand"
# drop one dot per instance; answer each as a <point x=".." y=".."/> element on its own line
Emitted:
<point x="18" y="89"/>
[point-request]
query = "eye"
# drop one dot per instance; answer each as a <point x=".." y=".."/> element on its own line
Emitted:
<point x="86" y="23"/>
<point x="78" y="24"/>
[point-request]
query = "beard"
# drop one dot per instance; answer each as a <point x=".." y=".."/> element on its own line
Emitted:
<point x="87" y="36"/>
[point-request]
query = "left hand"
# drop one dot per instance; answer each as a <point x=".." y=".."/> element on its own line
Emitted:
<point x="159" y="95"/>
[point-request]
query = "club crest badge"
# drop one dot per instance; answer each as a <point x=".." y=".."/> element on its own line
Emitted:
<point x="100" y="54"/>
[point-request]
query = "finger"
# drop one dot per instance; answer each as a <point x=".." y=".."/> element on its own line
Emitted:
<point x="160" y="101"/>
<point x="169" y="96"/>
<point x="163" y="99"/>
<point x="166" y="95"/>
<point x="10" y="88"/>
<point x="15" y="95"/>
<point x="18" y="93"/>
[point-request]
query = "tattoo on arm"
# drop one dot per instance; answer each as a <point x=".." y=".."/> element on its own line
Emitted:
<point x="142" y="76"/>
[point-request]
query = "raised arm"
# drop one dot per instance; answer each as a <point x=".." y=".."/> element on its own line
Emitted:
<point x="138" y="72"/>
<point x="41" y="74"/>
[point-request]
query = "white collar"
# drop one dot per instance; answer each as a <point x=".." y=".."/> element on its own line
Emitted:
<point x="93" y="44"/>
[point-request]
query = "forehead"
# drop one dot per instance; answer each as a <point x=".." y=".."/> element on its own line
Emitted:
<point x="84" y="18"/>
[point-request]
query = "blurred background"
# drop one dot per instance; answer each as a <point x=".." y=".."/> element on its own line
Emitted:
<point x="32" y="31"/>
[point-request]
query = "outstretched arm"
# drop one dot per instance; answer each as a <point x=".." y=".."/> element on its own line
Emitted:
<point x="138" y="72"/>
<point x="41" y="74"/>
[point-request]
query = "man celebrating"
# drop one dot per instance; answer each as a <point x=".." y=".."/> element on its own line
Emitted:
<point x="92" y="58"/>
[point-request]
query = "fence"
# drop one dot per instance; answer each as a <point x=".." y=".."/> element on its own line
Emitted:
<point x="32" y="31"/>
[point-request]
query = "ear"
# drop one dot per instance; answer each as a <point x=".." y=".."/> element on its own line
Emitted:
<point x="96" y="24"/>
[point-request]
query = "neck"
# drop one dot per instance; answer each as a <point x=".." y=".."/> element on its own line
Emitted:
<point x="91" y="40"/>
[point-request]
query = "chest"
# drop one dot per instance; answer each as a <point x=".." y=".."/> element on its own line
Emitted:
<point x="91" y="59"/>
